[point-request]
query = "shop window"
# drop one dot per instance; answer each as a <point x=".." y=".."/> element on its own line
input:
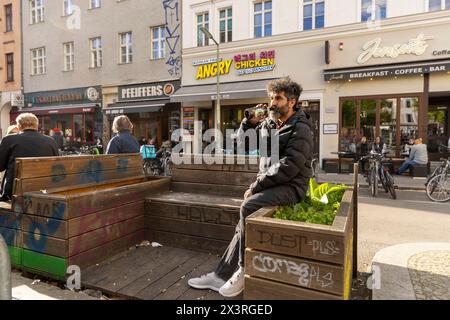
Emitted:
<point x="395" y="120"/>
<point x="438" y="118"/>
<point x="388" y="124"/>
<point x="226" y="25"/>
<point x="89" y="127"/>
<point x="409" y="119"/>
<point x="368" y="116"/>
<point x="373" y="10"/>
<point x="313" y="14"/>
<point x="202" y="22"/>
<point x="78" y="127"/>
<point x="348" y="128"/>
<point x="262" y="19"/>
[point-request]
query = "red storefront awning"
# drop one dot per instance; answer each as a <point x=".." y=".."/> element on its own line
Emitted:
<point x="50" y="110"/>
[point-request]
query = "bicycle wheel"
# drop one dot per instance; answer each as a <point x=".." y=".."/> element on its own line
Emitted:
<point x="167" y="167"/>
<point x="390" y="185"/>
<point x="438" y="189"/>
<point x="383" y="179"/>
<point x="436" y="172"/>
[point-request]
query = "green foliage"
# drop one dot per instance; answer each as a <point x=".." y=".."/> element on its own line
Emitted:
<point x="320" y="205"/>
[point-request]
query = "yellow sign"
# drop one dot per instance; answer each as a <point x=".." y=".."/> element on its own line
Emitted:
<point x="254" y="63"/>
<point x="210" y="70"/>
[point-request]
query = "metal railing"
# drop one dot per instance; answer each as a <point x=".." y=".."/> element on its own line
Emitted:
<point x="5" y="271"/>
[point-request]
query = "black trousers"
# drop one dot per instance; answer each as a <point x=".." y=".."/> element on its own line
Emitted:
<point x="234" y="254"/>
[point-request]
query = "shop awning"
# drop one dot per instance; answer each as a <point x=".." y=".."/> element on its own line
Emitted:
<point x="66" y="109"/>
<point x="136" y="107"/>
<point x="389" y="70"/>
<point x="230" y="90"/>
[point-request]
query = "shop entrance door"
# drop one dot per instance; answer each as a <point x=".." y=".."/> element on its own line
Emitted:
<point x="438" y="126"/>
<point x="313" y="109"/>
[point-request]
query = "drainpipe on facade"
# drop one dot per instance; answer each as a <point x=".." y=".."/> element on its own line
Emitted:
<point x="5" y="271"/>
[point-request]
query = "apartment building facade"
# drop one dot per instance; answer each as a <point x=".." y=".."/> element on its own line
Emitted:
<point x="368" y="67"/>
<point x="86" y="62"/>
<point x="10" y="61"/>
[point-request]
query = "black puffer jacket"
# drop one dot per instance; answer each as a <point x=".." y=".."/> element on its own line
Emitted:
<point x="295" y="155"/>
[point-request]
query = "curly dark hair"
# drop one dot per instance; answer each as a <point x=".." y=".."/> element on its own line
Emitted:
<point x="291" y="89"/>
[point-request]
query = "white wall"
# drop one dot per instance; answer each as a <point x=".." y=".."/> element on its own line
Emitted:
<point x="287" y="15"/>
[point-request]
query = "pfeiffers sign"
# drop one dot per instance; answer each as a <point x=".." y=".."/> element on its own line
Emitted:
<point x="148" y="91"/>
<point x="244" y="64"/>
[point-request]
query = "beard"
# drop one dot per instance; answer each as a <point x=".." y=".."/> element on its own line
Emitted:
<point x="283" y="110"/>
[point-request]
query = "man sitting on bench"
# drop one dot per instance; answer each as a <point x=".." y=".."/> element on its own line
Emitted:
<point x="28" y="143"/>
<point x="417" y="155"/>
<point x="284" y="183"/>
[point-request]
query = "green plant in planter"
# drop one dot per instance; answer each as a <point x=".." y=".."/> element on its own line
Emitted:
<point x="320" y="205"/>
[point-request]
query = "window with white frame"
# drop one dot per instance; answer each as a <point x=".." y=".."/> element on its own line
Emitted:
<point x="262" y="19"/>
<point x="158" y="42"/>
<point x="67" y="7"/>
<point x="38" y="61"/>
<point x="226" y="25"/>
<point x="202" y="21"/>
<point x="95" y="4"/>
<point x="126" y="50"/>
<point x="436" y="5"/>
<point x="68" y="56"/>
<point x="36" y="11"/>
<point x="373" y="10"/>
<point x="95" y="45"/>
<point x="313" y="14"/>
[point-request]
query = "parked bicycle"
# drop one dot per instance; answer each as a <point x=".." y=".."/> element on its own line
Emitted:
<point x="159" y="166"/>
<point x="438" y="184"/>
<point x="379" y="172"/>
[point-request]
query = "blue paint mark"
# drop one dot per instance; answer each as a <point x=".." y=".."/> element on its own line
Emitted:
<point x="58" y="173"/>
<point x="173" y="26"/>
<point x="33" y="243"/>
<point x="47" y="229"/>
<point x="92" y="172"/>
<point x="122" y="165"/>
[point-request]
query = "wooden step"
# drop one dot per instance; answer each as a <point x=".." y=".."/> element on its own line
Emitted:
<point x="209" y="189"/>
<point x="193" y="221"/>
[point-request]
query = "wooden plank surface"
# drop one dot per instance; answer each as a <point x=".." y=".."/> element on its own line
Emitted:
<point x="308" y="274"/>
<point x="56" y="166"/>
<point x="56" y="228"/>
<point x="80" y="225"/>
<point x="209" y="213"/>
<point x="12" y="237"/>
<point x="40" y="243"/>
<point x="298" y="243"/>
<point x="198" y="229"/>
<point x="43" y="264"/>
<point x="34" y="184"/>
<point x="98" y="254"/>
<point x="152" y="273"/>
<point x="254" y="168"/>
<point x="193" y="199"/>
<point x="213" y="177"/>
<point x="260" y="289"/>
<point x="100" y="236"/>
<point x="88" y="203"/>
<point x="188" y="242"/>
<point x="210" y="189"/>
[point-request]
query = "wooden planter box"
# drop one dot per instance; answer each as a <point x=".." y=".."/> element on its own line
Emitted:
<point x="295" y="260"/>
<point x="83" y="225"/>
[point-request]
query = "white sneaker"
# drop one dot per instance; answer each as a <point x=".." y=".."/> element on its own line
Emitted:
<point x="235" y="285"/>
<point x="207" y="281"/>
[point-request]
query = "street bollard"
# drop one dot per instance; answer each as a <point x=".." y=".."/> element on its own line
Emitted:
<point x="5" y="271"/>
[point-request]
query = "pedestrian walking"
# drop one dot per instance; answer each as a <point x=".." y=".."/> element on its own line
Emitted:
<point x="123" y="141"/>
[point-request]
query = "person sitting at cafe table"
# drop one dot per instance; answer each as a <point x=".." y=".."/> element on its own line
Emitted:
<point x="417" y="155"/>
<point x="378" y="145"/>
<point x="362" y="150"/>
<point x="407" y="147"/>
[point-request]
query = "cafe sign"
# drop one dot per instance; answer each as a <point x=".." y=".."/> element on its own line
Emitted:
<point x="409" y="69"/>
<point x="244" y="64"/>
<point x="374" y="48"/>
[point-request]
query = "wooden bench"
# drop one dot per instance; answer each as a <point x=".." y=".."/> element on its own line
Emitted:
<point x="201" y="210"/>
<point x="75" y="210"/>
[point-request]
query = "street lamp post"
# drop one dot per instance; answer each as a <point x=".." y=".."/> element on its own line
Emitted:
<point x="217" y="113"/>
